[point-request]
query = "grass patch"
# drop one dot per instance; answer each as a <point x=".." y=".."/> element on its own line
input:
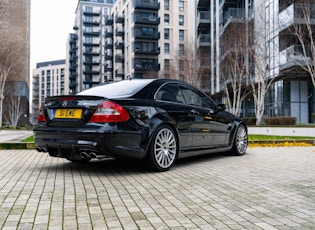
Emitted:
<point x="252" y="137"/>
<point x="29" y="139"/>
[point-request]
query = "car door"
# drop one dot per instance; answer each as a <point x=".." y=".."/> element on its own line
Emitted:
<point x="209" y="129"/>
<point x="172" y="102"/>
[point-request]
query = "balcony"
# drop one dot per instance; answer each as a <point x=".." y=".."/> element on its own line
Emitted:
<point x="73" y="75"/>
<point x="91" y="52"/>
<point x="147" y="4"/>
<point x="148" y="48"/>
<point x="109" y="55"/>
<point x="108" y="44"/>
<point x="91" y="62"/>
<point x="93" y="43"/>
<point x="92" y="23"/>
<point x="146" y="33"/>
<point x="92" y="13"/>
<point x="119" y="72"/>
<point x="91" y="71"/>
<point x="119" y="45"/>
<point x="119" y="58"/>
<point x="294" y="14"/>
<point x="94" y="33"/>
<point x="203" y="19"/>
<point x="119" y="32"/>
<point x="109" y="33"/>
<point x="233" y="15"/>
<point x="144" y="64"/>
<point x="293" y="57"/>
<point x="120" y="18"/>
<point x="108" y="67"/>
<point x="204" y="40"/>
<point x="109" y="20"/>
<point x="147" y="20"/>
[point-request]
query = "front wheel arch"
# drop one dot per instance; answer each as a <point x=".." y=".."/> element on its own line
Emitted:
<point x="240" y="141"/>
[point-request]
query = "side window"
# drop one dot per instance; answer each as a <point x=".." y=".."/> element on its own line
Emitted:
<point x="194" y="97"/>
<point x="170" y="92"/>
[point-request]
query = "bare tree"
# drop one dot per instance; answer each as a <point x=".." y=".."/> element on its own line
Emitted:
<point x="263" y="45"/>
<point x="303" y="31"/>
<point x="234" y="66"/>
<point x="190" y="64"/>
<point x="10" y="58"/>
<point x="14" y="109"/>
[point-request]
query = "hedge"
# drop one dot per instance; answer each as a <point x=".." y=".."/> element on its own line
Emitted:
<point x="280" y="120"/>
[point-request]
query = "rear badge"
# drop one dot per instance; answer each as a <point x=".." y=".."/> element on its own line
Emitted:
<point x="64" y="103"/>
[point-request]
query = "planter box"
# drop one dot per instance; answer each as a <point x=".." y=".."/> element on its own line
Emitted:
<point x="283" y="131"/>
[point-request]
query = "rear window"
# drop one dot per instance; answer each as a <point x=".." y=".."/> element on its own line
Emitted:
<point x="120" y="89"/>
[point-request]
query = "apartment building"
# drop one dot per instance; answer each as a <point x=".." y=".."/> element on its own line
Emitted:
<point x="292" y="92"/>
<point x="15" y="27"/>
<point x="48" y="80"/>
<point x="146" y="37"/>
<point x="85" y="47"/>
<point x="128" y="39"/>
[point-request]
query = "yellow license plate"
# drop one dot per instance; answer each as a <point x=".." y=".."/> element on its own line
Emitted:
<point x="68" y="113"/>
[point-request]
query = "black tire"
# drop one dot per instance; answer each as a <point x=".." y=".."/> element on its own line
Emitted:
<point x="240" y="141"/>
<point x="163" y="150"/>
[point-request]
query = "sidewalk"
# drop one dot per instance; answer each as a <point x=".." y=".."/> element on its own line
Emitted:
<point x="14" y="136"/>
<point x="265" y="189"/>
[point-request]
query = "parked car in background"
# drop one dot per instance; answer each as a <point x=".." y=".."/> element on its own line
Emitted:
<point x="157" y="120"/>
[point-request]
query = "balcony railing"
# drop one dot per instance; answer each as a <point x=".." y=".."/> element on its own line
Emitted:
<point x="296" y="14"/>
<point x="147" y="4"/>
<point x="204" y="39"/>
<point x="294" y="56"/>
<point x="150" y="20"/>
<point x="204" y="17"/>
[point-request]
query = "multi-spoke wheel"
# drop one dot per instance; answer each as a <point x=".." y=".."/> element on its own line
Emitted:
<point x="240" y="141"/>
<point x="163" y="149"/>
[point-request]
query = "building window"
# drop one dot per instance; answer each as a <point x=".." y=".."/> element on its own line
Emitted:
<point x="89" y="9"/>
<point x="88" y="18"/>
<point x="88" y="29"/>
<point x="166" y="4"/>
<point x="181" y="6"/>
<point x="181" y="49"/>
<point x="166" y="64"/>
<point x="181" y="20"/>
<point x="166" y="19"/>
<point x="181" y="65"/>
<point x="166" y="33"/>
<point x="166" y="48"/>
<point x="181" y="35"/>
<point x="89" y="40"/>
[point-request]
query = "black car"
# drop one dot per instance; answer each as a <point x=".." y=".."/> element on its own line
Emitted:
<point x="158" y="120"/>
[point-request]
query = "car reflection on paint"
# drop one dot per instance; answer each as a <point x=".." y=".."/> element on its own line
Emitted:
<point x="157" y="120"/>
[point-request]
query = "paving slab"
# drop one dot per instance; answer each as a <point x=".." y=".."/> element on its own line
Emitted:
<point x="268" y="188"/>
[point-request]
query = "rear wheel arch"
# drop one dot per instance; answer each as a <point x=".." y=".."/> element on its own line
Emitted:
<point x="163" y="147"/>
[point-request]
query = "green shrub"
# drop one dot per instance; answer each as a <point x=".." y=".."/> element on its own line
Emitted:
<point x="250" y="120"/>
<point x="280" y="120"/>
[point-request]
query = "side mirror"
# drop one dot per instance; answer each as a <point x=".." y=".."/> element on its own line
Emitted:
<point x="221" y="107"/>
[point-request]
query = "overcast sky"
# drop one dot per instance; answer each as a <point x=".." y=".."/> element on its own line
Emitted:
<point x="51" y="23"/>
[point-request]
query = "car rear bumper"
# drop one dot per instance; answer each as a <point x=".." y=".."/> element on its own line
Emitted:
<point x="81" y="145"/>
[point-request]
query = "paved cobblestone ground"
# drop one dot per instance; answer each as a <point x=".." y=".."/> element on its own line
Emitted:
<point x="268" y="188"/>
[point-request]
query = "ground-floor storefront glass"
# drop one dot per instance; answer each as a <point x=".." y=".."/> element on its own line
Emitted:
<point x="294" y="98"/>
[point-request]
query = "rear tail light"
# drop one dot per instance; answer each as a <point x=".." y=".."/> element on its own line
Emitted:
<point x="110" y="112"/>
<point x="41" y="115"/>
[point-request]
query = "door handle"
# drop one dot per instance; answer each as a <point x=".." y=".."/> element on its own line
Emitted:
<point x="194" y="112"/>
